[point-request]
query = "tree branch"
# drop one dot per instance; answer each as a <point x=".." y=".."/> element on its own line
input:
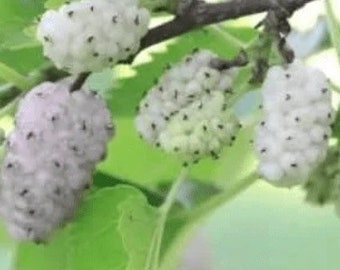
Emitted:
<point x="200" y="14"/>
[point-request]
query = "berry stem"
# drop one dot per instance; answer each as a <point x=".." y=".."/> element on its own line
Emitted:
<point x="78" y="83"/>
<point x="215" y="202"/>
<point x="193" y="217"/>
<point x="155" y="249"/>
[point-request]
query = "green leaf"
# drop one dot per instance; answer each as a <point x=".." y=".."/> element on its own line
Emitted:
<point x="96" y="234"/>
<point x="10" y="75"/>
<point x="15" y="16"/>
<point x="51" y="256"/>
<point x="52" y="4"/>
<point x="23" y="60"/>
<point x="137" y="225"/>
<point x="334" y="26"/>
<point x="109" y="232"/>
<point x="102" y="180"/>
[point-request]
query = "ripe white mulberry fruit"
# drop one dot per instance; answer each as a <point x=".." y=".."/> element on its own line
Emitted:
<point x="292" y="138"/>
<point x="92" y="34"/>
<point x="186" y="113"/>
<point x="49" y="158"/>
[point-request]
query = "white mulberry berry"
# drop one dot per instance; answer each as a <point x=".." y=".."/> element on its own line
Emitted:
<point x="186" y="112"/>
<point x="49" y="158"/>
<point x="92" y="34"/>
<point x="292" y="137"/>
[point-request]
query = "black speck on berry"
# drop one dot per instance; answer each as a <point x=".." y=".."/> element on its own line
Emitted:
<point x="83" y="126"/>
<point x="56" y="163"/>
<point x="29" y="135"/>
<point x="136" y="21"/>
<point x="23" y="192"/>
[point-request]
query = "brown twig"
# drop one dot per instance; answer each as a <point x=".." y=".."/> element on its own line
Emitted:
<point x="200" y="14"/>
<point x="221" y="64"/>
<point x="78" y="83"/>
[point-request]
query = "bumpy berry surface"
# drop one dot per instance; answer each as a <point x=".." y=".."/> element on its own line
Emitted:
<point x="293" y="136"/>
<point x="92" y="34"/>
<point x="186" y="112"/>
<point x="50" y="155"/>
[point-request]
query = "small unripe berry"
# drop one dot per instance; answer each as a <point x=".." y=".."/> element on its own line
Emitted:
<point x="186" y="112"/>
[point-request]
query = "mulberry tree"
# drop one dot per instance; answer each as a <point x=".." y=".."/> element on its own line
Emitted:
<point x="123" y="122"/>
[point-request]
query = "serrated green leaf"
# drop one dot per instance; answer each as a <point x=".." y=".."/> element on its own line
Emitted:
<point x="137" y="224"/>
<point x="100" y="237"/>
<point x="95" y="235"/>
<point x="102" y="180"/>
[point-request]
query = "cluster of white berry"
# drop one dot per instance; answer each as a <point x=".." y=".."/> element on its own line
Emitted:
<point x="90" y="35"/>
<point x="293" y="136"/>
<point x="186" y="113"/>
<point x="49" y="158"/>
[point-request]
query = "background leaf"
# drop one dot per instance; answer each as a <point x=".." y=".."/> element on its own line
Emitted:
<point x="111" y="231"/>
<point x="15" y="16"/>
<point x="137" y="225"/>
